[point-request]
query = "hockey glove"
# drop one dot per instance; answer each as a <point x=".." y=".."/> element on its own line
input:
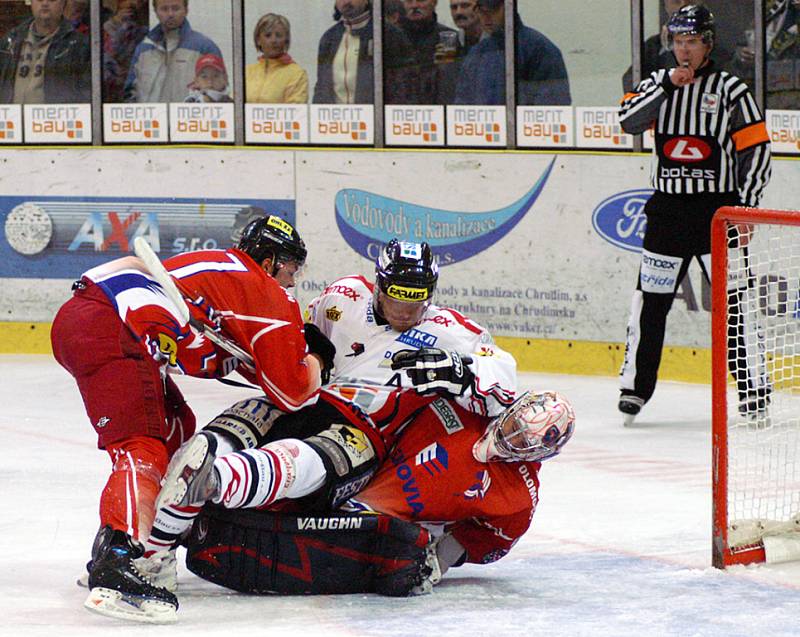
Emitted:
<point x="320" y="345"/>
<point x="432" y="369"/>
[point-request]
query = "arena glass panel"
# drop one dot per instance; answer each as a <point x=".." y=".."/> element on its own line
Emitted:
<point x="166" y="71"/>
<point x="45" y="75"/>
<point x="568" y="73"/>
<point x="316" y="86"/>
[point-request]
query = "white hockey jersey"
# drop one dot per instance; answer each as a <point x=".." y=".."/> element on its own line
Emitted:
<point x="364" y="348"/>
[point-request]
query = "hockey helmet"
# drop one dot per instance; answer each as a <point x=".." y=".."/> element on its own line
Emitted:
<point x="273" y="237"/>
<point x="533" y="429"/>
<point x="693" y="19"/>
<point x="406" y="271"/>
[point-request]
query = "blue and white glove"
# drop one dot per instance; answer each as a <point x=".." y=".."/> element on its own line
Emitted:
<point x="432" y="369"/>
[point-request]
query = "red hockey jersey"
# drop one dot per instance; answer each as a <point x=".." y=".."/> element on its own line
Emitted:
<point x="248" y="304"/>
<point x="432" y="477"/>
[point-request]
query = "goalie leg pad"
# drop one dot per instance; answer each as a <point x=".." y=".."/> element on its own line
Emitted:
<point x="265" y="552"/>
<point x="246" y="423"/>
<point x="350" y="461"/>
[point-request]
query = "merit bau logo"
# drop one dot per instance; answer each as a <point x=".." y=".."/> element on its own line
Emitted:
<point x="140" y="123"/>
<point x="201" y="122"/>
<point x="476" y="125"/>
<point x="276" y="124"/>
<point x="415" y="125"/>
<point x="545" y="126"/>
<point x="784" y="131"/>
<point x="598" y="127"/>
<point x="342" y="124"/>
<point x="368" y="220"/>
<point x="66" y="123"/>
<point x="10" y="120"/>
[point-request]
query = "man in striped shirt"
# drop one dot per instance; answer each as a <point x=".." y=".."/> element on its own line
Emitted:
<point x="712" y="149"/>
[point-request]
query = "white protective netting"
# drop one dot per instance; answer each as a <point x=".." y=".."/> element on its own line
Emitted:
<point x="764" y="388"/>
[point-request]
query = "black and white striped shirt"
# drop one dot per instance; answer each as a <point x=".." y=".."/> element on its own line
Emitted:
<point x="710" y="135"/>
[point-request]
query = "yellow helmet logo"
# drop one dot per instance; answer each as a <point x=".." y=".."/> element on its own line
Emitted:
<point x="407" y="294"/>
<point x="279" y="224"/>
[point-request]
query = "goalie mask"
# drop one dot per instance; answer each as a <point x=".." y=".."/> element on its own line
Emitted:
<point x="406" y="276"/>
<point x="533" y="429"/>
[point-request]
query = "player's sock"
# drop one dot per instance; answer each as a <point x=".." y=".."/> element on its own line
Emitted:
<point x="128" y="499"/>
<point x="258" y="477"/>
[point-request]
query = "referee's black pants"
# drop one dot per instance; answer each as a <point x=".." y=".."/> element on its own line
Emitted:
<point x="678" y="229"/>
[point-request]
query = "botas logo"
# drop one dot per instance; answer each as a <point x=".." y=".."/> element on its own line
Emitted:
<point x="620" y="219"/>
<point x="687" y="149"/>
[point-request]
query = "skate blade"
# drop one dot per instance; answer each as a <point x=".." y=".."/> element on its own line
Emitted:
<point x="111" y="603"/>
<point x="175" y="487"/>
<point x="627" y="421"/>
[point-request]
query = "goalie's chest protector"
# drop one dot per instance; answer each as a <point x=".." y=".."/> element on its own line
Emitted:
<point x="432" y="475"/>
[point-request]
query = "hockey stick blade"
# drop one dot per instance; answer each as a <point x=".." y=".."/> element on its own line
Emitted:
<point x="143" y="250"/>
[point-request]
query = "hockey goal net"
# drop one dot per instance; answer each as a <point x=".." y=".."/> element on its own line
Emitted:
<point x="756" y="385"/>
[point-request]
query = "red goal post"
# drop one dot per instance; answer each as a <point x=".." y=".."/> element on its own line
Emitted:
<point x="755" y="331"/>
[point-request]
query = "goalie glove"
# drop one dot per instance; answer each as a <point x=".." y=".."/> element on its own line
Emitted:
<point x="432" y="369"/>
<point x="320" y="345"/>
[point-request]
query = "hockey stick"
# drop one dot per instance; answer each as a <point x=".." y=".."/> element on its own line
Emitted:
<point x="143" y="250"/>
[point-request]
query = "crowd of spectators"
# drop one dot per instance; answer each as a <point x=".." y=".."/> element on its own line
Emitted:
<point x="151" y="53"/>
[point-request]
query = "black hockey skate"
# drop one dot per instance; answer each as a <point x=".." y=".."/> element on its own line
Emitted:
<point x="119" y="589"/>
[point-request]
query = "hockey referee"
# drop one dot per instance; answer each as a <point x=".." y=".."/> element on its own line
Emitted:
<point x="711" y="150"/>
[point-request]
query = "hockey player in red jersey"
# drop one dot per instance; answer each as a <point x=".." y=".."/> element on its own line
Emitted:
<point x="120" y="336"/>
<point x="473" y="481"/>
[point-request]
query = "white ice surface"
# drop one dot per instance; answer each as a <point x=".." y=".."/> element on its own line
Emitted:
<point x="620" y="544"/>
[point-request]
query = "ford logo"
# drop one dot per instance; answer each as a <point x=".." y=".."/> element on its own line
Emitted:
<point x="620" y="219"/>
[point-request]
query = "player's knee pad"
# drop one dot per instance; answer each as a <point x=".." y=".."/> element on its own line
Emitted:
<point x="266" y="552"/>
<point x="246" y="423"/>
<point x="350" y="461"/>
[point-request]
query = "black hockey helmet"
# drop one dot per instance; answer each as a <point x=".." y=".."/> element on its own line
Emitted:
<point x="273" y="237"/>
<point x="406" y="271"/>
<point x="693" y="19"/>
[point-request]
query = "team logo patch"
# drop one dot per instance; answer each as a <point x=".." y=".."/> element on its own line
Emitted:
<point x="479" y="489"/>
<point x="333" y="313"/>
<point x="102" y="422"/>
<point x="433" y="459"/>
<point x="417" y="338"/>
<point x="709" y="103"/>
<point x="356" y="349"/>
<point x="168" y="348"/>
<point x="447" y="416"/>
<point x="355" y="439"/>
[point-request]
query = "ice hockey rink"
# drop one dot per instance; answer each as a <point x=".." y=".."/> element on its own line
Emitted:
<point x="620" y="544"/>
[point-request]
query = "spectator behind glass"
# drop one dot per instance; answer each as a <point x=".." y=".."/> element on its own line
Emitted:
<point x="44" y="60"/>
<point x="210" y="82"/>
<point x="393" y="11"/>
<point x="276" y="78"/>
<point x="782" y="21"/>
<point x="345" y="59"/>
<point x="436" y="77"/>
<point x="465" y="17"/>
<point x="163" y="63"/>
<point x="122" y="33"/>
<point x="77" y="13"/>
<point x="541" y="75"/>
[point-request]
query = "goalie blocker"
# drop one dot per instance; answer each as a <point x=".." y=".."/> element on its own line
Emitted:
<point x="266" y="552"/>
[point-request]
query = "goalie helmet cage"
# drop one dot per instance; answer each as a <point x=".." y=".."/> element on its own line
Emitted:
<point x="755" y="385"/>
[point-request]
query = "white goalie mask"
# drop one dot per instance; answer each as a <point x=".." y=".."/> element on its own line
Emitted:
<point x="533" y="429"/>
